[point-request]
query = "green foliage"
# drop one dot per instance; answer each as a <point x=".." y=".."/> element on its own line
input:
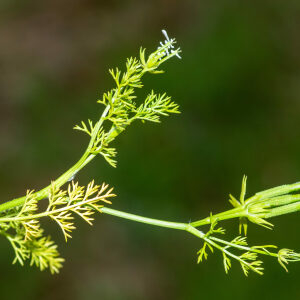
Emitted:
<point x="120" y="106"/>
<point x="286" y="255"/>
<point x="28" y="240"/>
<point x="20" y="218"/>
<point x="255" y="209"/>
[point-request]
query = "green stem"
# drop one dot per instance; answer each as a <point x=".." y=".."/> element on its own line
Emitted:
<point x="84" y="160"/>
<point x="65" y="177"/>
<point x="155" y="222"/>
<point x="228" y="214"/>
<point x="245" y="248"/>
<point x="282" y="210"/>
<point x="48" y="212"/>
<point x="120" y="214"/>
<point x="140" y="219"/>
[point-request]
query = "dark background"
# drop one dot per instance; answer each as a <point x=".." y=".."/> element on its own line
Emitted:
<point x="238" y="88"/>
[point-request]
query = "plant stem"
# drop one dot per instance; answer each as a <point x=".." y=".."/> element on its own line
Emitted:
<point x="140" y="219"/>
<point x="228" y="214"/>
<point x="120" y="214"/>
<point x="155" y="222"/>
<point x="65" y="177"/>
<point x="43" y="193"/>
<point x="83" y="161"/>
<point x="246" y="248"/>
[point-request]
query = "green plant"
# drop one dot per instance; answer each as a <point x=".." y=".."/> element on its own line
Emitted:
<point x="20" y="218"/>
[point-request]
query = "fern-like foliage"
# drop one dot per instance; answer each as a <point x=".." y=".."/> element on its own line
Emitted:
<point x="255" y="209"/>
<point x="20" y="224"/>
<point x="20" y="218"/>
<point x="77" y="200"/>
<point x="28" y="239"/>
<point x="121" y="108"/>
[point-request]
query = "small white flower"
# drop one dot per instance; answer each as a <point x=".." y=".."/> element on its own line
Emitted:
<point x="170" y="48"/>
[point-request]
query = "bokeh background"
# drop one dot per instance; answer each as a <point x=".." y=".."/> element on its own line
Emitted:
<point x="239" y="92"/>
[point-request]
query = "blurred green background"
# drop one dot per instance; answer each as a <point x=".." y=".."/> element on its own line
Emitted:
<point x="239" y="92"/>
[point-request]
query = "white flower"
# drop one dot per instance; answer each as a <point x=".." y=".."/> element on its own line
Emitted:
<point x="170" y="48"/>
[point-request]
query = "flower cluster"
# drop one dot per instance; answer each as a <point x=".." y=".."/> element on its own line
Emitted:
<point x="167" y="46"/>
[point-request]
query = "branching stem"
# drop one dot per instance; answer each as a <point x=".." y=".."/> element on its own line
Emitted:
<point x="120" y="111"/>
<point x="65" y="177"/>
